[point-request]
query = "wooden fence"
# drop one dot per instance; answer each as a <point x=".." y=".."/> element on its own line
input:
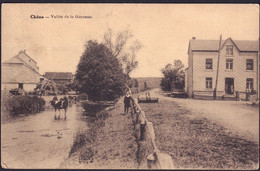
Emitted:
<point x="155" y="160"/>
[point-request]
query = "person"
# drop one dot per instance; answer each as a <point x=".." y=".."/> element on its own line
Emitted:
<point x="54" y="101"/>
<point x="147" y="94"/>
<point x="127" y="102"/>
<point x="238" y="95"/>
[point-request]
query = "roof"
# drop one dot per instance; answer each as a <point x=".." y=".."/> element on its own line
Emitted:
<point x="213" y="45"/>
<point x="17" y="60"/>
<point x="14" y="60"/>
<point x="58" y="75"/>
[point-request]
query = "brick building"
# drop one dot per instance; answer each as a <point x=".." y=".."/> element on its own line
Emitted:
<point x="238" y="68"/>
<point x="21" y="71"/>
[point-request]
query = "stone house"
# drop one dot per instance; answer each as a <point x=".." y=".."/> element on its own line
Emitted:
<point x="20" y="71"/>
<point x="238" y="70"/>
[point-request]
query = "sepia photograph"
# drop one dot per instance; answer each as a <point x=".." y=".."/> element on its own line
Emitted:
<point x="130" y="86"/>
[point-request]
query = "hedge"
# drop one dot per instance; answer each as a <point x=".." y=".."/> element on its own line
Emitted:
<point x="24" y="104"/>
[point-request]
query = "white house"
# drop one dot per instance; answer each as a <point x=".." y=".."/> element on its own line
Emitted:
<point x="238" y="68"/>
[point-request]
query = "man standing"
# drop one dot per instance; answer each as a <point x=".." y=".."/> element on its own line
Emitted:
<point x="127" y="102"/>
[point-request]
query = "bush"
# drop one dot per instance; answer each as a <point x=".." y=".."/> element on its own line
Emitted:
<point x="83" y="96"/>
<point x="24" y="104"/>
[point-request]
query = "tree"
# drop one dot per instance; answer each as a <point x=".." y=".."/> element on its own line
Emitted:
<point x="135" y="83"/>
<point x="173" y="76"/>
<point x="119" y="46"/>
<point x="99" y="73"/>
<point x="145" y="86"/>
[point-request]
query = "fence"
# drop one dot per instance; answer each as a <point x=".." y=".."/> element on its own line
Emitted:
<point x="156" y="159"/>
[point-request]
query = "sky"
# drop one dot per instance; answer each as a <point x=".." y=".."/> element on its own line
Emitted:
<point x="56" y="44"/>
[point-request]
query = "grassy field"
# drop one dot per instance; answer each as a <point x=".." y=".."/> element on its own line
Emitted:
<point x="152" y="82"/>
<point x="197" y="143"/>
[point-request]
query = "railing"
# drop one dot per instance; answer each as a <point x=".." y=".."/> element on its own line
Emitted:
<point x="155" y="160"/>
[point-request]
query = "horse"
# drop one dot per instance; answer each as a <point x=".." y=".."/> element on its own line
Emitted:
<point x="60" y="104"/>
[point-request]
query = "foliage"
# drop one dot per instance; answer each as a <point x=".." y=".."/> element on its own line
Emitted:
<point x="132" y="83"/>
<point x="145" y="86"/>
<point x="83" y="96"/>
<point x="23" y="104"/>
<point x="136" y="83"/>
<point x="75" y="86"/>
<point x="63" y="89"/>
<point x="99" y="73"/>
<point x="173" y="76"/>
<point x="120" y="48"/>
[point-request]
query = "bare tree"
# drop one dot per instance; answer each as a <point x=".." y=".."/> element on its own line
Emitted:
<point x="119" y="46"/>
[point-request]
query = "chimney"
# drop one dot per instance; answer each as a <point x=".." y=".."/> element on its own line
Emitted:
<point x="193" y="38"/>
<point x="22" y="51"/>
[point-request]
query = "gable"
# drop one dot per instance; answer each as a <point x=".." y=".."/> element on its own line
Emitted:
<point x="15" y="60"/>
<point x="229" y="41"/>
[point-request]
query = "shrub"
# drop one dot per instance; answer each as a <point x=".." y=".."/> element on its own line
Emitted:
<point x="24" y="104"/>
<point x="83" y="96"/>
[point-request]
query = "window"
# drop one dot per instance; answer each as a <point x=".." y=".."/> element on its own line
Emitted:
<point x="208" y="63"/>
<point x="249" y="64"/>
<point x="249" y="83"/>
<point x="208" y="82"/>
<point x="229" y="50"/>
<point x="229" y="64"/>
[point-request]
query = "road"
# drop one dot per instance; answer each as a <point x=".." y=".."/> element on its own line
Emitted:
<point x="38" y="141"/>
<point x="238" y="116"/>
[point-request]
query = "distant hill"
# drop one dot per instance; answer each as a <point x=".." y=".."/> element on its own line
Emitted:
<point x="152" y="82"/>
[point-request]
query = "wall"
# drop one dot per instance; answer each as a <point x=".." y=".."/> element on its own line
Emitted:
<point x="29" y="61"/>
<point x="186" y="80"/>
<point x="190" y="74"/>
<point x="239" y="72"/>
<point x="12" y="74"/>
<point x="200" y="72"/>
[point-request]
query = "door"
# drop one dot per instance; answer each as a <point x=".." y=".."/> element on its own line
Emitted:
<point x="20" y="85"/>
<point x="229" y="85"/>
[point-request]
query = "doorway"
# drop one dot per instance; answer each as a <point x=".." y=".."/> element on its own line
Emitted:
<point x="229" y="85"/>
<point x="20" y="85"/>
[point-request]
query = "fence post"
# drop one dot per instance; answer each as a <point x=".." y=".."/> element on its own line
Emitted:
<point x="142" y="126"/>
<point x="151" y="161"/>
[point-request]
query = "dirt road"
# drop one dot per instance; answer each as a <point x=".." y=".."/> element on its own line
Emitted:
<point x="39" y="141"/>
<point x="239" y="116"/>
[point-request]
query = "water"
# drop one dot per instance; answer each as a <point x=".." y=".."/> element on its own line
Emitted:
<point x="37" y="141"/>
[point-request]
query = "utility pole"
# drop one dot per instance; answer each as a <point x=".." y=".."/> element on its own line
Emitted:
<point x="216" y="85"/>
<point x="49" y="81"/>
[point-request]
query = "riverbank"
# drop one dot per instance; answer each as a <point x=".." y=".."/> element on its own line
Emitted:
<point x="108" y="144"/>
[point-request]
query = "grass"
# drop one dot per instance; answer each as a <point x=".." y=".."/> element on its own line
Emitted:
<point x="107" y="143"/>
<point x="85" y="140"/>
<point x="195" y="142"/>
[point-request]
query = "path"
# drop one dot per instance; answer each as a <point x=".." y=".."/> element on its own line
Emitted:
<point x="39" y="141"/>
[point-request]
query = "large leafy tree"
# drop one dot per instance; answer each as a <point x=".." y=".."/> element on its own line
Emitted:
<point x="173" y="76"/>
<point x="99" y="73"/>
